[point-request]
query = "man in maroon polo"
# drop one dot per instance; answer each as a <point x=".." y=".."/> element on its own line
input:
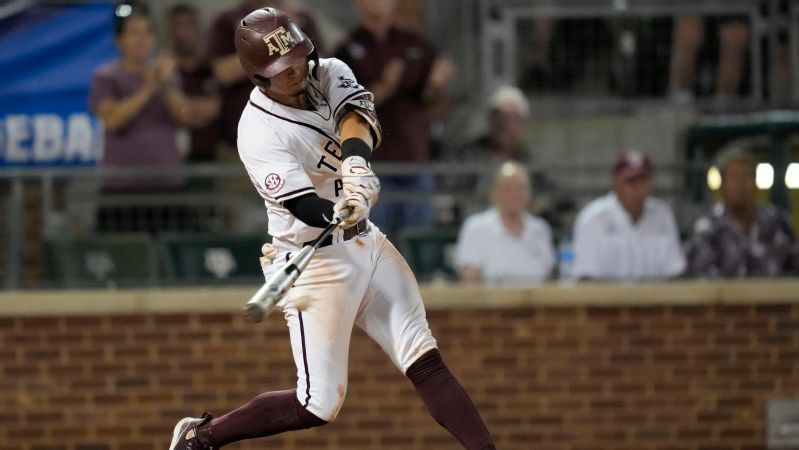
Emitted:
<point x="199" y="85"/>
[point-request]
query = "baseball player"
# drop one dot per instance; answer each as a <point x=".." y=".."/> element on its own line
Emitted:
<point x="305" y="138"/>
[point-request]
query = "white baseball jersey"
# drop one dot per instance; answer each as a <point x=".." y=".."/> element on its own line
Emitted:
<point x="364" y="281"/>
<point x="289" y="152"/>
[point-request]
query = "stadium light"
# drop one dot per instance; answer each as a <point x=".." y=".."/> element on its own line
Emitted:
<point x="764" y="176"/>
<point x="792" y="176"/>
<point x="713" y="178"/>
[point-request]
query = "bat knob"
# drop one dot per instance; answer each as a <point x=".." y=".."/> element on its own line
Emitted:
<point x="342" y="215"/>
<point x="254" y="312"/>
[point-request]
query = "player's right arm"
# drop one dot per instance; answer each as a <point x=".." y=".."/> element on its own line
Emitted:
<point x="303" y="202"/>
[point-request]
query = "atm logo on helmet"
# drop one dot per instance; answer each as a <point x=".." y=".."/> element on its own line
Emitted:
<point x="279" y="41"/>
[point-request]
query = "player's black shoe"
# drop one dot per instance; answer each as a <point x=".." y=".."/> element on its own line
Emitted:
<point x="185" y="435"/>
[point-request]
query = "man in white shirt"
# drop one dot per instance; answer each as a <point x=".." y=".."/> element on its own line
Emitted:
<point x="628" y="234"/>
<point x="506" y="244"/>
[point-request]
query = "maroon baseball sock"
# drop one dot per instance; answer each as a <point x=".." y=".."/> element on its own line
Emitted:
<point x="267" y="414"/>
<point x="448" y="402"/>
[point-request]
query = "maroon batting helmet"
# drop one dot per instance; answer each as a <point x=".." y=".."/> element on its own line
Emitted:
<point x="269" y="42"/>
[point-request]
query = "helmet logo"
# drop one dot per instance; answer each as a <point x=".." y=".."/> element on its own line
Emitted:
<point x="279" y="41"/>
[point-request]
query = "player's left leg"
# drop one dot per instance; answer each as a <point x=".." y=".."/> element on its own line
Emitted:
<point x="320" y="339"/>
<point x="393" y="302"/>
<point x="267" y="414"/>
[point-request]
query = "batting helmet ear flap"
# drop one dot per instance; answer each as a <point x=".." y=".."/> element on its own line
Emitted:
<point x="260" y="81"/>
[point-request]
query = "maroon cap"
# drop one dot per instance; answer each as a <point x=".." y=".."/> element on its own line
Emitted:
<point x="631" y="163"/>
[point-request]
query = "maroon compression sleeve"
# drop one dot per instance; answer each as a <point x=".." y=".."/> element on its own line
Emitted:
<point x="267" y="414"/>
<point x="448" y="402"/>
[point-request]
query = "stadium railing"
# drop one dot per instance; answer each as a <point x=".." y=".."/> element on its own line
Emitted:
<point x="50" y="235"/>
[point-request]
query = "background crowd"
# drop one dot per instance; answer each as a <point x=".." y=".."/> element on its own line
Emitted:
<point x="176" y="102"/>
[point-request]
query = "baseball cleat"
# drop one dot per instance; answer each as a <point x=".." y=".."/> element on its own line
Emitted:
<point x="185" y="435"/>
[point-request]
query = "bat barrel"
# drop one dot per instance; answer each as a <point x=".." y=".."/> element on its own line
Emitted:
<point x="273" y="290"/>
<point x="256" y="306"/>
<point x="254" y="312"/>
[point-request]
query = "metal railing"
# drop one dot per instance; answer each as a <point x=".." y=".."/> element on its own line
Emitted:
<point x="232" y="206"/>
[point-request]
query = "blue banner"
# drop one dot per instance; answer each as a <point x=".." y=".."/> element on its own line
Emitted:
<point x="49" y="54"/>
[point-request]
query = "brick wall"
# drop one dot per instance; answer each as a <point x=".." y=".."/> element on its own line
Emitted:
<point x="577" y="377"/>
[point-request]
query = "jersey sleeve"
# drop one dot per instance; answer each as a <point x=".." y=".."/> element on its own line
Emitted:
<point x="275" y="172"/>
<point x="346" y="94"/>
<point x="340" y="83"/>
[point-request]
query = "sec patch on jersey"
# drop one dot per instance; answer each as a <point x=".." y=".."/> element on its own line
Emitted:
<point x="273" y="182"/>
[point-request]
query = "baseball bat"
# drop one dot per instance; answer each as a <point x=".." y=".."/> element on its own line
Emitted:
<point x="262" y="302"/>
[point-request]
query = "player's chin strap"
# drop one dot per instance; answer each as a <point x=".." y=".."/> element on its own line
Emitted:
<point x="314" y="56"/>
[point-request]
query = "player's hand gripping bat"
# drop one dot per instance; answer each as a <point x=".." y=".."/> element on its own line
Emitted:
<point x="262" y="302"/>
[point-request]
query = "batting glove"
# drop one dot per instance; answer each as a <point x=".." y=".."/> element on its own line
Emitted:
<point x="269" y="253"/>
<point x="357" y="208"/>
<point x="361" y="190"/>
